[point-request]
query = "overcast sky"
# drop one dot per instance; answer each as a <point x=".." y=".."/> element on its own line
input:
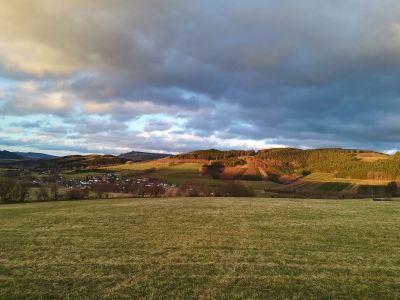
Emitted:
<point x="109" y="76"/>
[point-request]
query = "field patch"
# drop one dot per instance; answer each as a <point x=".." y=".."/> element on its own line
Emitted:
<point x="372" y="190"/>
<point x="372" y="156"/>
<point x="252" y="172"/>
<point x="232" y="173"/>
<point x="184" y="173"/>
<point x="140" y="166"/>
<point x="82" y="174"/>
<point x="329" y="177"/>
<point x="334" y="186"/>
<point x="317" y="189"/>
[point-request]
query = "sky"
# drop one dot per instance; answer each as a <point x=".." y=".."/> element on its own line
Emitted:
<point x="110" y="76"/>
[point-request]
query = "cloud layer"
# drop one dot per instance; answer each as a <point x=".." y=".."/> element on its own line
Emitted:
<point x="177" y="75"/>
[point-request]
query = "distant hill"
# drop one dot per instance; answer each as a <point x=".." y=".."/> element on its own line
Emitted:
<point x="40" y="160"/>
<point x="34" y="155"/>
<point x="10" y="155"/>
<point x="142" y="156"/>
<point x="81" y="161"/>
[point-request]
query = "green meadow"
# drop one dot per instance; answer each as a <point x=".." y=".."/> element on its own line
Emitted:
<point x="200" y="248"/>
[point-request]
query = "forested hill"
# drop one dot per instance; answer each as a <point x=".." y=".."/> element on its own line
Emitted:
<point x="344" y="163"/>
<point x="213" y="154"/>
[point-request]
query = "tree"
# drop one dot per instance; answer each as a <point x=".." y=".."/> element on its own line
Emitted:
<point x="157" y="190"/>
<point x="20" y="192"/>
<point x="42" y="194"/>
<point x="54" y="192"/>
<point x="101" y="189"/>
<point x="7" y="187"/>
<point x="12" y="190"/>
<point x="392" y="188"/>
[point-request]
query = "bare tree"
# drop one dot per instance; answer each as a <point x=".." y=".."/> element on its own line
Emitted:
<point x="101" y="189"/>
<point x="54" y="192"/>
<point x="7" y="187"/>
<point x="21" y="192"/>
<point x="76" y="194"/>
<point x="42" y="194"/>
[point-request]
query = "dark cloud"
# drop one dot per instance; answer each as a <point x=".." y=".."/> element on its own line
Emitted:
<point x="310" y="74"/>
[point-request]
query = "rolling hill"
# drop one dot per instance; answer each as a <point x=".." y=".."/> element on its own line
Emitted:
<point x="35" y="155"/>
<point x="278" y="163"/>
<point x="81" y="161"/>
<point x="8" y="155"/>
<point x="282" y="171"/>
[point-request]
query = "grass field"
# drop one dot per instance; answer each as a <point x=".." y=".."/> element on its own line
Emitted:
<point x="200" y="248"/>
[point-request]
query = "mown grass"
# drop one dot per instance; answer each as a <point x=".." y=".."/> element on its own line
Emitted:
<point x="200" y="248"/>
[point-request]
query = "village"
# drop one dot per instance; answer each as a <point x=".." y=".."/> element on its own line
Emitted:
<point x="106" y="185"/>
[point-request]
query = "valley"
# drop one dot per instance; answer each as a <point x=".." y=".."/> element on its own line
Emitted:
<point x="280" y="172"/>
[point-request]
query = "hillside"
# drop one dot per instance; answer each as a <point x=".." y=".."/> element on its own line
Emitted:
<point x="22" y="157"/>
<point x="343" y="163"/>
<point x="9" y="155"/>
<point x="142" y="156"/>
<point x="280" y="162"/>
